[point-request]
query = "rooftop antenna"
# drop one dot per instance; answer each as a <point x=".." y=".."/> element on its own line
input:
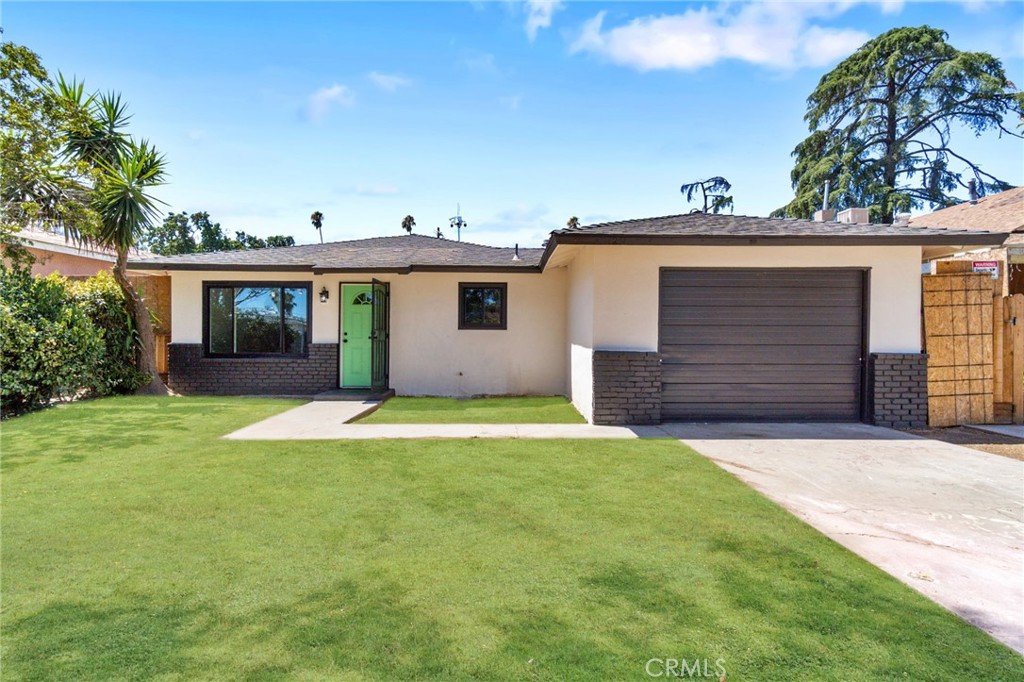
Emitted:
<point x="458" y="223"/>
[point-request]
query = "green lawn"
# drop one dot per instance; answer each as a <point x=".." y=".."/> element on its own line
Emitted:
<point x="137" y="545"/>
<point x="521" y="410"/>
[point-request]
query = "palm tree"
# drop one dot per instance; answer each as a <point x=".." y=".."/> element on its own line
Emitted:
<point x="317" y="218"/>
<point x="122" y="172"/>
<point x="572" y="223"/>
<point x="713" y="191"/>
<point x="408" y="222"/>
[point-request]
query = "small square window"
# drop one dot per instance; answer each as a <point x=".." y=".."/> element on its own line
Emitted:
<point x="483" y="306"/>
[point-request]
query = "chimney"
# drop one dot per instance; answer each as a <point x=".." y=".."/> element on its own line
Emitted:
<point x="972" y="188"/>
<point x="826" y="214"/>
<point x="853" y="216"/>
<point x="516" y="257"/>
<point x="902" y="219"/>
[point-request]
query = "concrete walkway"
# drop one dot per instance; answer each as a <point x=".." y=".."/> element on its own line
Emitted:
<point x="306" y="421"/>
<point x="946" y="520"/>
<point x="1013" y="430"/>
<point x="330" y="421"/>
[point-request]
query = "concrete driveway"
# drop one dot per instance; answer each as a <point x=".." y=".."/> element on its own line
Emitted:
<point x="946" y="520"/>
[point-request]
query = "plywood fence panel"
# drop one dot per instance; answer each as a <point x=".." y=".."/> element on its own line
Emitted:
<point x="1013" y="354"/>
<point x="156" y="292"/>
<point x="160" y="349"/>
<point x="958" y="322"/>
<point x="999" y="385"/>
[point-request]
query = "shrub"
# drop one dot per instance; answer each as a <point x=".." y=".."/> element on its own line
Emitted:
<point x="49" y="347"/>
<point x="62" y="340"/>
<point x="103" y="301"/>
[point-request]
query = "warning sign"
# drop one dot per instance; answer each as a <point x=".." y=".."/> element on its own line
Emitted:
<point x="989" y="266"/>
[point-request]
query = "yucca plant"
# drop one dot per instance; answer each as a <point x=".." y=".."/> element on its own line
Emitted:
<point x="123" y="172"/>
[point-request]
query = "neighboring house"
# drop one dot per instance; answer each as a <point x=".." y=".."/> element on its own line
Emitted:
<point x="1003" y="212"/>
<point x="54" y="253"/>
<point x="691" y="317"/>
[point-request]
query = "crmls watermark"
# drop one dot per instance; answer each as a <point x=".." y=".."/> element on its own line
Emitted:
<point x="681" y="667"/>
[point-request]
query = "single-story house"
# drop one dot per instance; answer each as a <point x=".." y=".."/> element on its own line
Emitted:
<point x="55" y="253"/>
<point x="688" y="317"/>
<point x="1002" y="212"/>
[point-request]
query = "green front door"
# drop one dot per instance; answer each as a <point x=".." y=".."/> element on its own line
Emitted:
<point x="356" y="330"/>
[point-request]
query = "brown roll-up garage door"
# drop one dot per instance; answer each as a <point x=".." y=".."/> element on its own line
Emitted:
<point x="762" y="345"/>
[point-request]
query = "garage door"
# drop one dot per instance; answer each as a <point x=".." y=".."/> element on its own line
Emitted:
<point x="767" y="344"/>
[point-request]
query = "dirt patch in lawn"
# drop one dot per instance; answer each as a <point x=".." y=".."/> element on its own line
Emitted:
<point x="994" y="443"/>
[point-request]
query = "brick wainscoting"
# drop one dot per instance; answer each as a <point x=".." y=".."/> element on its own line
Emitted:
<point x="191" y="374"/>
<point x="898" y="390"/>
<point x="627" y="387"/>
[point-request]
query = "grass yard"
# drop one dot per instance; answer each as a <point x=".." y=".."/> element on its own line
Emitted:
<point x="137" y="545"/>
<point x="518" y="410"/>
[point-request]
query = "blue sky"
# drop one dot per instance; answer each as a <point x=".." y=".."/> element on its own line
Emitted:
<point x="525" y="113"/>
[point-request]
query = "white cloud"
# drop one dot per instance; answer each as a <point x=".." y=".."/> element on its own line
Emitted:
<point x="323" y="100"/>
<point x="821" y="46"/>
<point x="775" y="35"/>
<point x="511" y="102"/>
<point x="539" y="13"/>
<point x="886" y="6"/>
<point x="388" y="82"/>
<point x="891" y="6"/>
<point x="977" y="6"/>
<point x="480" y="62"/>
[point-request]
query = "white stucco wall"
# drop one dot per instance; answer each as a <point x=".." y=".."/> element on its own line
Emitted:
<point x="430" y="355"/>
<point x="626" y="290"/>
<point x="580" y="331"/>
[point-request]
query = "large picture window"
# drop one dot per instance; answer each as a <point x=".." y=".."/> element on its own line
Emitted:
<point x="483" y="306"/>
<point x="256" y="318"/>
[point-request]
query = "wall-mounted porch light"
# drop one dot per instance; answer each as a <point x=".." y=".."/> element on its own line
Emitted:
<point x="324" y="295"/>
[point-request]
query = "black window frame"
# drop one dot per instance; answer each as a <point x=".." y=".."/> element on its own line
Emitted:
<point x="503" y="286"/>
<point x="307" y="285"/>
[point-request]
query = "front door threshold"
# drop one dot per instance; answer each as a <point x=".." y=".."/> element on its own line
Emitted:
<point x="356" y="394"/>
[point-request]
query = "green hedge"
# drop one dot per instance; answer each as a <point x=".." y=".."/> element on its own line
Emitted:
<point x="103" y="301"/>
<point x="61" y="340"/>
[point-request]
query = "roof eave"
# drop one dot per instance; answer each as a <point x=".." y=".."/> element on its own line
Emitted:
<point x="980" y="239"/>
<point x="324" y="269"/>
<point x="233" y="267"/>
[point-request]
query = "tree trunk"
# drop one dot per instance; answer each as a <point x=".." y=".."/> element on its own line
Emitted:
<point x="891" y="152"/>
<point x="145" y="352"/>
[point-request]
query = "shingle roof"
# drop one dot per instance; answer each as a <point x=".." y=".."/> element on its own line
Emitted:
<point x="710" y="229"/>
<point x="1003" y="212"/>
<point x="416" y="252"/>
<point x="738" y="228"/>
<point x="378" y="254"/>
